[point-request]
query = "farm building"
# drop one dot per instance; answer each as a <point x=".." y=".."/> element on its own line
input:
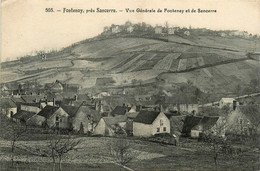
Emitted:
<point x="22" y="116"/>
<point x="86" y="117"/>
<point x="187" y="33"/>
<point x="226" y="102"/>
<point x="31" y="107"/>
<point x="209" y="125"/>
<point x="8" y="107"/>
<point x="108" y="126"/>
<point x="148" y="123"/>
<point x="55" y="117"/>
<point x="244" y="121"/>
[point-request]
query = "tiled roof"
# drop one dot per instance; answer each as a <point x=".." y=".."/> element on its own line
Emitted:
<point x="48" y="111"/>
<point x="25" y="115"/>
<point x="146" y="117"/>
<point x="120" y="110"/>
<point x="7" y="103"/>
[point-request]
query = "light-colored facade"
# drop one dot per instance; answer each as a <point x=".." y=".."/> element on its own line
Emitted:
<point x="160" y="125"/>
<point x="29" y="108"/>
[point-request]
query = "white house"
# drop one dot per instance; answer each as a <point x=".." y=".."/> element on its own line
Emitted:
<point x="130" y="29"/>
<point x="187" y="33"/>
<point x="171" y="30"/>
<point x="149" y="123"/>
<point x="115" y="29"/>
<point x="226" y="102"/>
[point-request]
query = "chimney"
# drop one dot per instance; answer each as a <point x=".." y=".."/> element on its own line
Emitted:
<point x="53" y="101"/>
<point x="234" y="105"/>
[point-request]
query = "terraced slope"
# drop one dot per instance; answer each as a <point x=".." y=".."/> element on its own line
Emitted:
<point x="130" y="58"/>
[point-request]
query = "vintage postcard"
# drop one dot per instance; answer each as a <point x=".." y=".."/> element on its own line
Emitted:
<point x="130" y="85"/>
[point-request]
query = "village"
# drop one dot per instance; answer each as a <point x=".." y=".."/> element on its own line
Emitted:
<point x="59" y="106"/>
<point x="115" y="123"/>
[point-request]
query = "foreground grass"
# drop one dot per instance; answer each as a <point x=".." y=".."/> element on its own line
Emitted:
<point x="94" y="154"/>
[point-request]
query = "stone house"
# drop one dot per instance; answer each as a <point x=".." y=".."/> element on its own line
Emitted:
<point x="109" y="126"/>
<point x="8" y="107"/>
<point x="55" y="117"/>
<point x="245" y="120"/>
<point x="86" y="117"/>
<point x="213" y="125"/>
<point x="149" y="123"/>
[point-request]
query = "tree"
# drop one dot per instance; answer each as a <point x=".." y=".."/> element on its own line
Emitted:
<point x="121" y="150"/>
<point x="12" y="131"/>
<point x="61" y="146"/>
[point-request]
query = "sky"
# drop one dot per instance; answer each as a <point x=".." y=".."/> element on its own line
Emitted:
<point x="26" y="27"/>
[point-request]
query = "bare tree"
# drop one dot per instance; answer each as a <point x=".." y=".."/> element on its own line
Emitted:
<point x="12" y="131"/>
<point x="121" y="150"/>
<point x="59" y="146"/>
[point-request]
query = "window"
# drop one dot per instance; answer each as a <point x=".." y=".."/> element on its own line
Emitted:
<point x="161" y="122"/>
<point x="241" y="121"/>
<point x="57" y="118"/>
<point x="158" y="129"/>
<point x="164" y="129"/>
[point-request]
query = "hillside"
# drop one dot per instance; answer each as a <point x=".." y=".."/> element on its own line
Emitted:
<point x="213" y="64"/>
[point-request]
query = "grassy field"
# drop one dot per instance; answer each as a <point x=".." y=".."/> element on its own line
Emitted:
<point x="94" y="154"/>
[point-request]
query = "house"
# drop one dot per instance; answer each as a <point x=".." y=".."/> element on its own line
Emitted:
<point x="213" y="125"/>
<point x="115" y="29"/>
<point x="189" y="123"/>
<point x="226" y="102"/>
<point x="120" y="110"/>
<point x="187" y="33"/>
<point x="171" y="30"/>
<point x="31" y="107"/>
<point x="244" y="121"/>
<point x="86" y="118"/>
<point x="55" y="117"/>
<point x="181" y="105"/>
<point x="8" y="107"/>
<point x="110" y="126"/>
<point x="149" y="123"/>
<point x="130" y="29"/>
<point x="22" y="116"/>
<point x="18" y="101"/>
<point x="158" y="29"/>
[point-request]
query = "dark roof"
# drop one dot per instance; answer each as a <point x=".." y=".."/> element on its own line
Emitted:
<point x="88" y="111"/>
<point x="120" y="110"/>
<point x="114" y="120"/>
<point x="48" y="111"/>
<point x="32" y="98"/>
<point x="190" y="122"/>
<point x="23" y="115"/>
<point x="71" y="110"/>
<point x="32" y="104"/>
<point x="7" y="103"/>
<point x="146" y="117"/>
